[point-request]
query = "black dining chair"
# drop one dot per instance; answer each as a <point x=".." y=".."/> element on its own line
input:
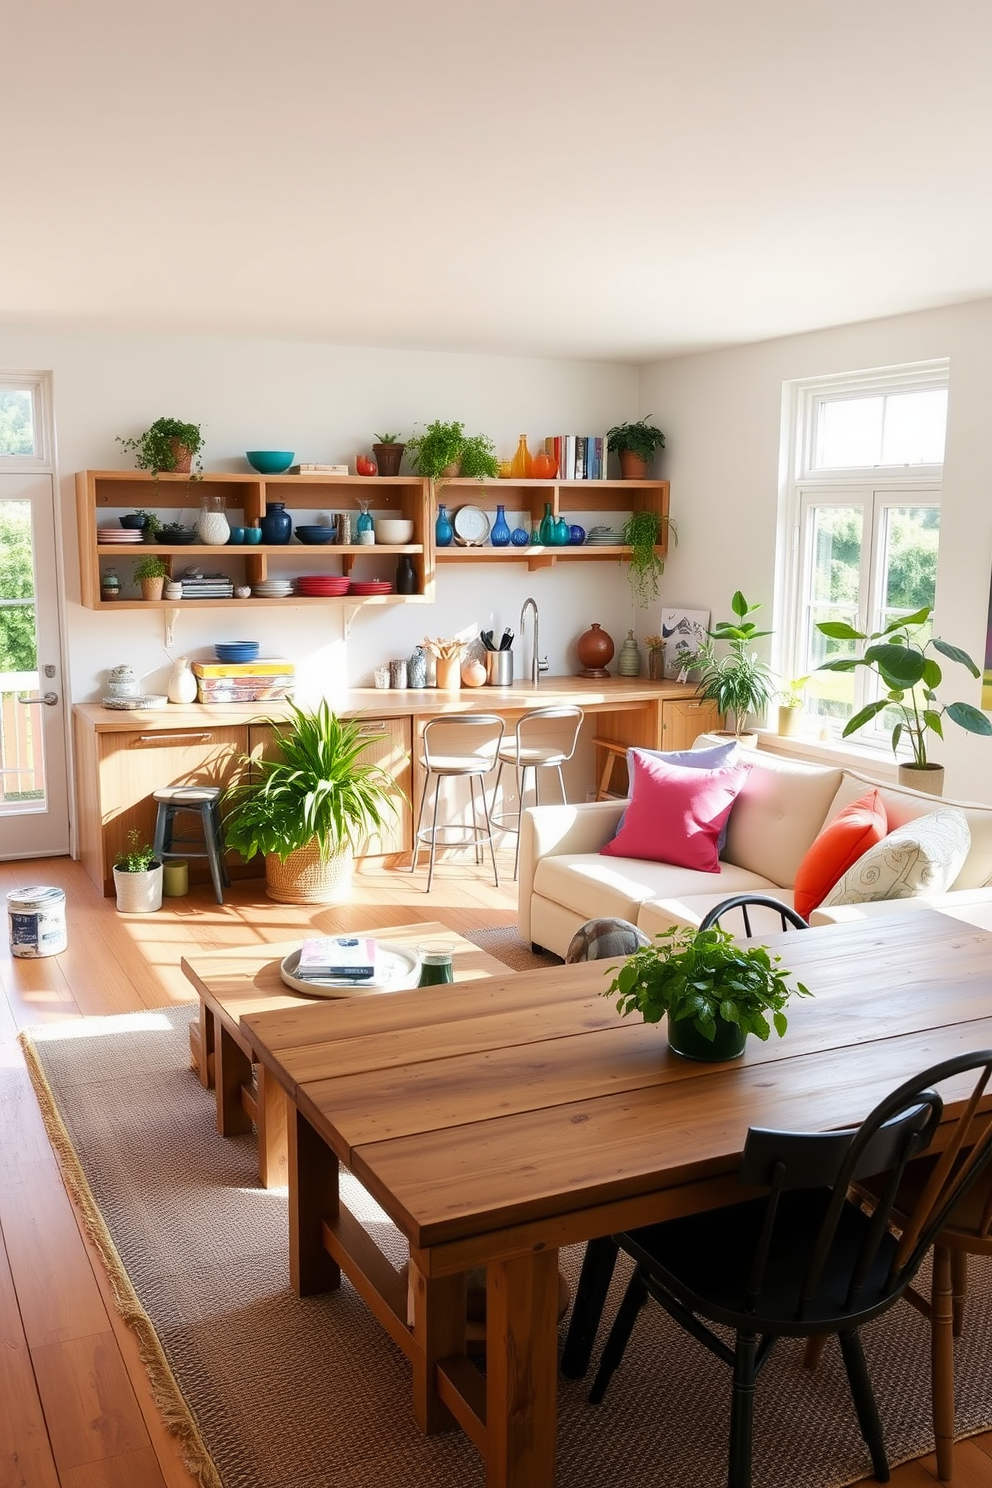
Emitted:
<point x="787" y="915"/>
<point x="804" y="1259"/>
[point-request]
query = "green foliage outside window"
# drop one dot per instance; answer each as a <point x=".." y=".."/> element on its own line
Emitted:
<point x="18" y="648"/>
<point x="16" y="426"/>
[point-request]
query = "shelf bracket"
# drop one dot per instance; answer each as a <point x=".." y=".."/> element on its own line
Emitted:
<point x="350" y="614"/>
<point x="170" y="627"/>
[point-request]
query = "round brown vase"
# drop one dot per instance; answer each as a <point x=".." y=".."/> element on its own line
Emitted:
<point x="388" y="458"/>
<point x="928" y="778"/>
<point x="595" y="650"/>
<point x="727" y="1043"/>
<point x="632" y="467"/>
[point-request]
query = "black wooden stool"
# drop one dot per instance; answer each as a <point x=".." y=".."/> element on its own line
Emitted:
<point x="204" y="800"/>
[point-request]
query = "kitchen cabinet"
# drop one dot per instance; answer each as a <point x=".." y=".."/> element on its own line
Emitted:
<point x="102" y="496"/>
<point x="609" y="501"/>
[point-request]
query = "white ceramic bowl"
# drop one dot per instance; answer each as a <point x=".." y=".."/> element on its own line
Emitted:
<point x="393" y="530"/>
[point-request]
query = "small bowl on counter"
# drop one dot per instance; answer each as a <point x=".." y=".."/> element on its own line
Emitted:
<point x="393" y="530"/>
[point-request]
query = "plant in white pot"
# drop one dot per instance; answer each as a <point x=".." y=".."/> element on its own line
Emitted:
<point x="309" y="805"/>
<point x="739" y="682"/>
<point x="900" y="657"/>
<point x="714" y="990"/>
<point x="791" y="698"/>
<point x="137" y="877"/>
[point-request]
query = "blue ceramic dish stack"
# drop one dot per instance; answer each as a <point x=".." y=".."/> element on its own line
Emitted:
<point x="237" y="651"/>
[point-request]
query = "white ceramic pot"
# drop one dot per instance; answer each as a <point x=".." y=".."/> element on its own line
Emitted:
<point x="182" y="683"/>
<point x="138" y="893"/>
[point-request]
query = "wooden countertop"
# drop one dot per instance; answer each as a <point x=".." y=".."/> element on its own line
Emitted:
<point x="594" y="696"/>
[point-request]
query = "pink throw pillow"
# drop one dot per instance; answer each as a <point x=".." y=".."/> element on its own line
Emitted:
<point x="676" y="813"/>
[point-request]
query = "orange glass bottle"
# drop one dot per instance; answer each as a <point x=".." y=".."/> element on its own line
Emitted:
<point x="520" y="465"/>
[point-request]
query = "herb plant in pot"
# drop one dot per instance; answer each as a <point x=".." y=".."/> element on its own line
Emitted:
<point x="634" y="445"/>
<point x="713" y="989"/>
<point x="137" y="877"/>
<point x="168" y="446"/>
<point x="901" y="658"/>
<point x="151" y="573"/>
<point x="308" y="805"/>
<point x="738" y="681"/>
<point x="388" y="453"/>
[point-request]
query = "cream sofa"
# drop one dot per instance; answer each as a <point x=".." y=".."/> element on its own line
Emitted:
<point x="785" y="802"/>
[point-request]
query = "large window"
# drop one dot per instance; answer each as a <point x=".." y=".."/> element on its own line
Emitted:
<point x="862" y="521"/>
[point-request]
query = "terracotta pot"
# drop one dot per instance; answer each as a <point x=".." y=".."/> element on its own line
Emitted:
<point x="929" y="778"/>
<point x="388" y="458"/>
<point x="473" y="673"/>
<point x="595" y="650"/>
<point x="452" y="471"/>
<point x="182" y="456"/>
<point x="632" y="467"/>
<point x="152" y="588"/>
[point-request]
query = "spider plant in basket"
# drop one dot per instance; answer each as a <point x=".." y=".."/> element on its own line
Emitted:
<point x="309" y="805"/>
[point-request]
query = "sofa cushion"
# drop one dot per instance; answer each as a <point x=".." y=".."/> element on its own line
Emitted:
<point x="676" y="813"/>
<point x="902" y="806"/>
<point x="657" y="915"/>
<point x="591" y="885"/>
<point x="924" y="856"/>
<point x="778" y="813"/>
<point x="842" y="842"/>
<point x="710" y="757"/>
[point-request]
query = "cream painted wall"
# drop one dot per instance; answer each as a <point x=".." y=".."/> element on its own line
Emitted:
<point x="324" y="402"/>
<point x="722" y="412"/>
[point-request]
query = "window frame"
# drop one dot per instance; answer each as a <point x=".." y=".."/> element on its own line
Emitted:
<point x="38" y="385"/>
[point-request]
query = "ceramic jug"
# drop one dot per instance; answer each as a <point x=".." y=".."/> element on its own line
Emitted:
<point x="182" y="683"/>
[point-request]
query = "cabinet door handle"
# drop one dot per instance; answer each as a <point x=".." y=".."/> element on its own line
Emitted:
<point x="373" y="728"/>
<point x="172" y="738"/>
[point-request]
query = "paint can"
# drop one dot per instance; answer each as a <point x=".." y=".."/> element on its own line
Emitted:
<point x="37" y="921"/>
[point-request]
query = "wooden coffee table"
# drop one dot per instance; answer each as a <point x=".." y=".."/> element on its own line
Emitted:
<point x="233" y="982"/>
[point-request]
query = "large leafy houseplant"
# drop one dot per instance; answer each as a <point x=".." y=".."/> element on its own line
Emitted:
<point x="901" y="659"/>
<point x="738" y="681"/>
<point x="167" y="445"/>
<point x="714" y="990"/>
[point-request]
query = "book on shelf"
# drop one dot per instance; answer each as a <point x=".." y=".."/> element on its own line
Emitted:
<point x="337" y="956"/>
<point x="314" y="469"/>
<point x="579" y="456"/>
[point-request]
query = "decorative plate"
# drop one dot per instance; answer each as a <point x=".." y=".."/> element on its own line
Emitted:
<point x="396" y="967"/>
<point x="127" y="704"/>
<point x="471" y="526"/>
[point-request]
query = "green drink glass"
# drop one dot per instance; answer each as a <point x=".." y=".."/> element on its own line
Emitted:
<point x="435" y="966"/>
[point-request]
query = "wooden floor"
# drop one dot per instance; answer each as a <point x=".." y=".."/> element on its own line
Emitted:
<point x="74" y="1406"/>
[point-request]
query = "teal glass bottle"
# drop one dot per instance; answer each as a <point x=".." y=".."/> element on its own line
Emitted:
<point x="443" y="531"/>
<point x="499" y="535"/>
<point x="547" y="526"/>
<point x="562" y="533"/>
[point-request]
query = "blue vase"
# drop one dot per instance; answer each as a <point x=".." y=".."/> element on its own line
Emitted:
<point x="576" y="535"/>
<point x="443" y="531"/>
<point x="499" y="534"/>
<point x="520" y="537"/>
<point x="277" y="524"/>
<point x="548" y="526"/>
<point x="562" y="535"/>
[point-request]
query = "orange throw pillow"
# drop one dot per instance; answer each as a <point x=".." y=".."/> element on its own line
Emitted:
<point x="852" y="832"/>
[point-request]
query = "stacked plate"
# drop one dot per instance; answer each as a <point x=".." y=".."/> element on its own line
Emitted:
<point x="272" y="589"/>
<point x="603" y="537"/>
<point x="237" y="650"/>
<point x="370" y="586"/>
<point x="119" y="537"/>
<point x="323" y="585"/>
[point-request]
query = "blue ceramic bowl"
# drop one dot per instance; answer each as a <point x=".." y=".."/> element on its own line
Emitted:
<point x="253" y="534"/>
<point x="133" y="519"/>
<point x="237" y="650"/>
<point x="319" y="533"/>
<point x="270" y="462"/>
<point x="237" y="535"/>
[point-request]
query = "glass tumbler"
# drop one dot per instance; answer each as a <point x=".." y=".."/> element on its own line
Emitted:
<point x="435" y="966"/>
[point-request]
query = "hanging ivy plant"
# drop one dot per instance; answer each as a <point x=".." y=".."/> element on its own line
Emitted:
<point x="642" y="532"/>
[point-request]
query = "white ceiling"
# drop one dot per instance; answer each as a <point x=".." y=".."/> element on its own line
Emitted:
<point x="576" y="178"/>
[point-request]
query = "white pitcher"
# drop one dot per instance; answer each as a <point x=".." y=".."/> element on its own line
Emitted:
<point x="182" y="683"/>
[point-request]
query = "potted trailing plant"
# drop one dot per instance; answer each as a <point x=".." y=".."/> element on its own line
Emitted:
<point x="137" y="877"/>
<point x="642" y="533"/>
<point x="738" y="682"/>
<point x="151" y="573"/>
<point x="388" y="453"/>
<point x="790" y="707"/>
<point x="168" y="445"/>
<point x="635" y="445"/>
<point x="900" y="657"/>
<point x="152" y="528"/>
<point x="308" y="806"/>
<point x="714" y="990"/>
<point x="445" y="450"/>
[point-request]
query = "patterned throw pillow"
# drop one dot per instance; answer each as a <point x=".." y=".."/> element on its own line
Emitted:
<point x="923" y="857"/>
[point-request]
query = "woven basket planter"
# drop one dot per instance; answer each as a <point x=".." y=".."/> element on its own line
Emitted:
<point x="305" y="877"/>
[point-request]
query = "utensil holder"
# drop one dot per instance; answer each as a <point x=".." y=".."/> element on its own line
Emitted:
<point x="499" y="668"/>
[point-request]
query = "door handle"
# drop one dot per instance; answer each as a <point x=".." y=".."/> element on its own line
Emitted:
<point x="48" y="698"/>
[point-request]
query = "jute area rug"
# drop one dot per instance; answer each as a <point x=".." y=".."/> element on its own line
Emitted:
<point x="266" y="1389"/>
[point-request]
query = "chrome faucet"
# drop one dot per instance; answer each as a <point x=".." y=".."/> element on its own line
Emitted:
<point x="538" y="663"/>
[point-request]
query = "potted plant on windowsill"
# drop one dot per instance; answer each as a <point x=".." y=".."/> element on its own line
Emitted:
<point x="137" y="877"/>
<point x="738" y="682"/>
<point x="308" y="806"/>
<point x="900" y="658"/>
<point x="714" y="991"/>
<point x="635" y="445"/>
<point x="790" y="707"/>
<point x="151" y="573"/>
<point x="168" y="445"/>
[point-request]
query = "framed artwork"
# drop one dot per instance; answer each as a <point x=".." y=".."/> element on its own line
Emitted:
<point x="683" y="632"/>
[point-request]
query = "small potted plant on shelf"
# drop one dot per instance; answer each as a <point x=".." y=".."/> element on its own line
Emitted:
<point x="910" y="677"/>
<point x="168" y="445"/>
<point x="642" y="533"/>
<point x="151" y="573"/>
<point x="137" y="877"/>
<point x="445" y="450"/>
<point x="150" y="531"/>
<point x="388" y="453"/>
<point x="635" y="445"/>
<point x="790" y="707"/>
<point x="478" y="458"/>
<point x="738" y="682"/>
<point x="714" y="990"/>
<point x="308" y="806"/>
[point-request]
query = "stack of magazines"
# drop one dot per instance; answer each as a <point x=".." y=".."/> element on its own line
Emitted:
<point x="348" y="957"/>
<point x="207" y="586"/>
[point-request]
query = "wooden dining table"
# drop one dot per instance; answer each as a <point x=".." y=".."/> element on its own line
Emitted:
<point x="498" y="1121"/>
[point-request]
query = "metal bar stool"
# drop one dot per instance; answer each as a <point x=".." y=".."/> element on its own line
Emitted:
<point x="543" y="739"/>
<point x="203" y="801"/>
<point x="467" y="748"/>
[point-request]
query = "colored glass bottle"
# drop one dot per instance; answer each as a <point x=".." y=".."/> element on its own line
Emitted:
<point x="443" y="530"/>
<point x="365" y="523"/>
<point x="520" y="465"/>
<point x="562" y="533"/>
<point x="499" y="535"/>
<point x="548" y="526"/>
<point x="406" y="575"/>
